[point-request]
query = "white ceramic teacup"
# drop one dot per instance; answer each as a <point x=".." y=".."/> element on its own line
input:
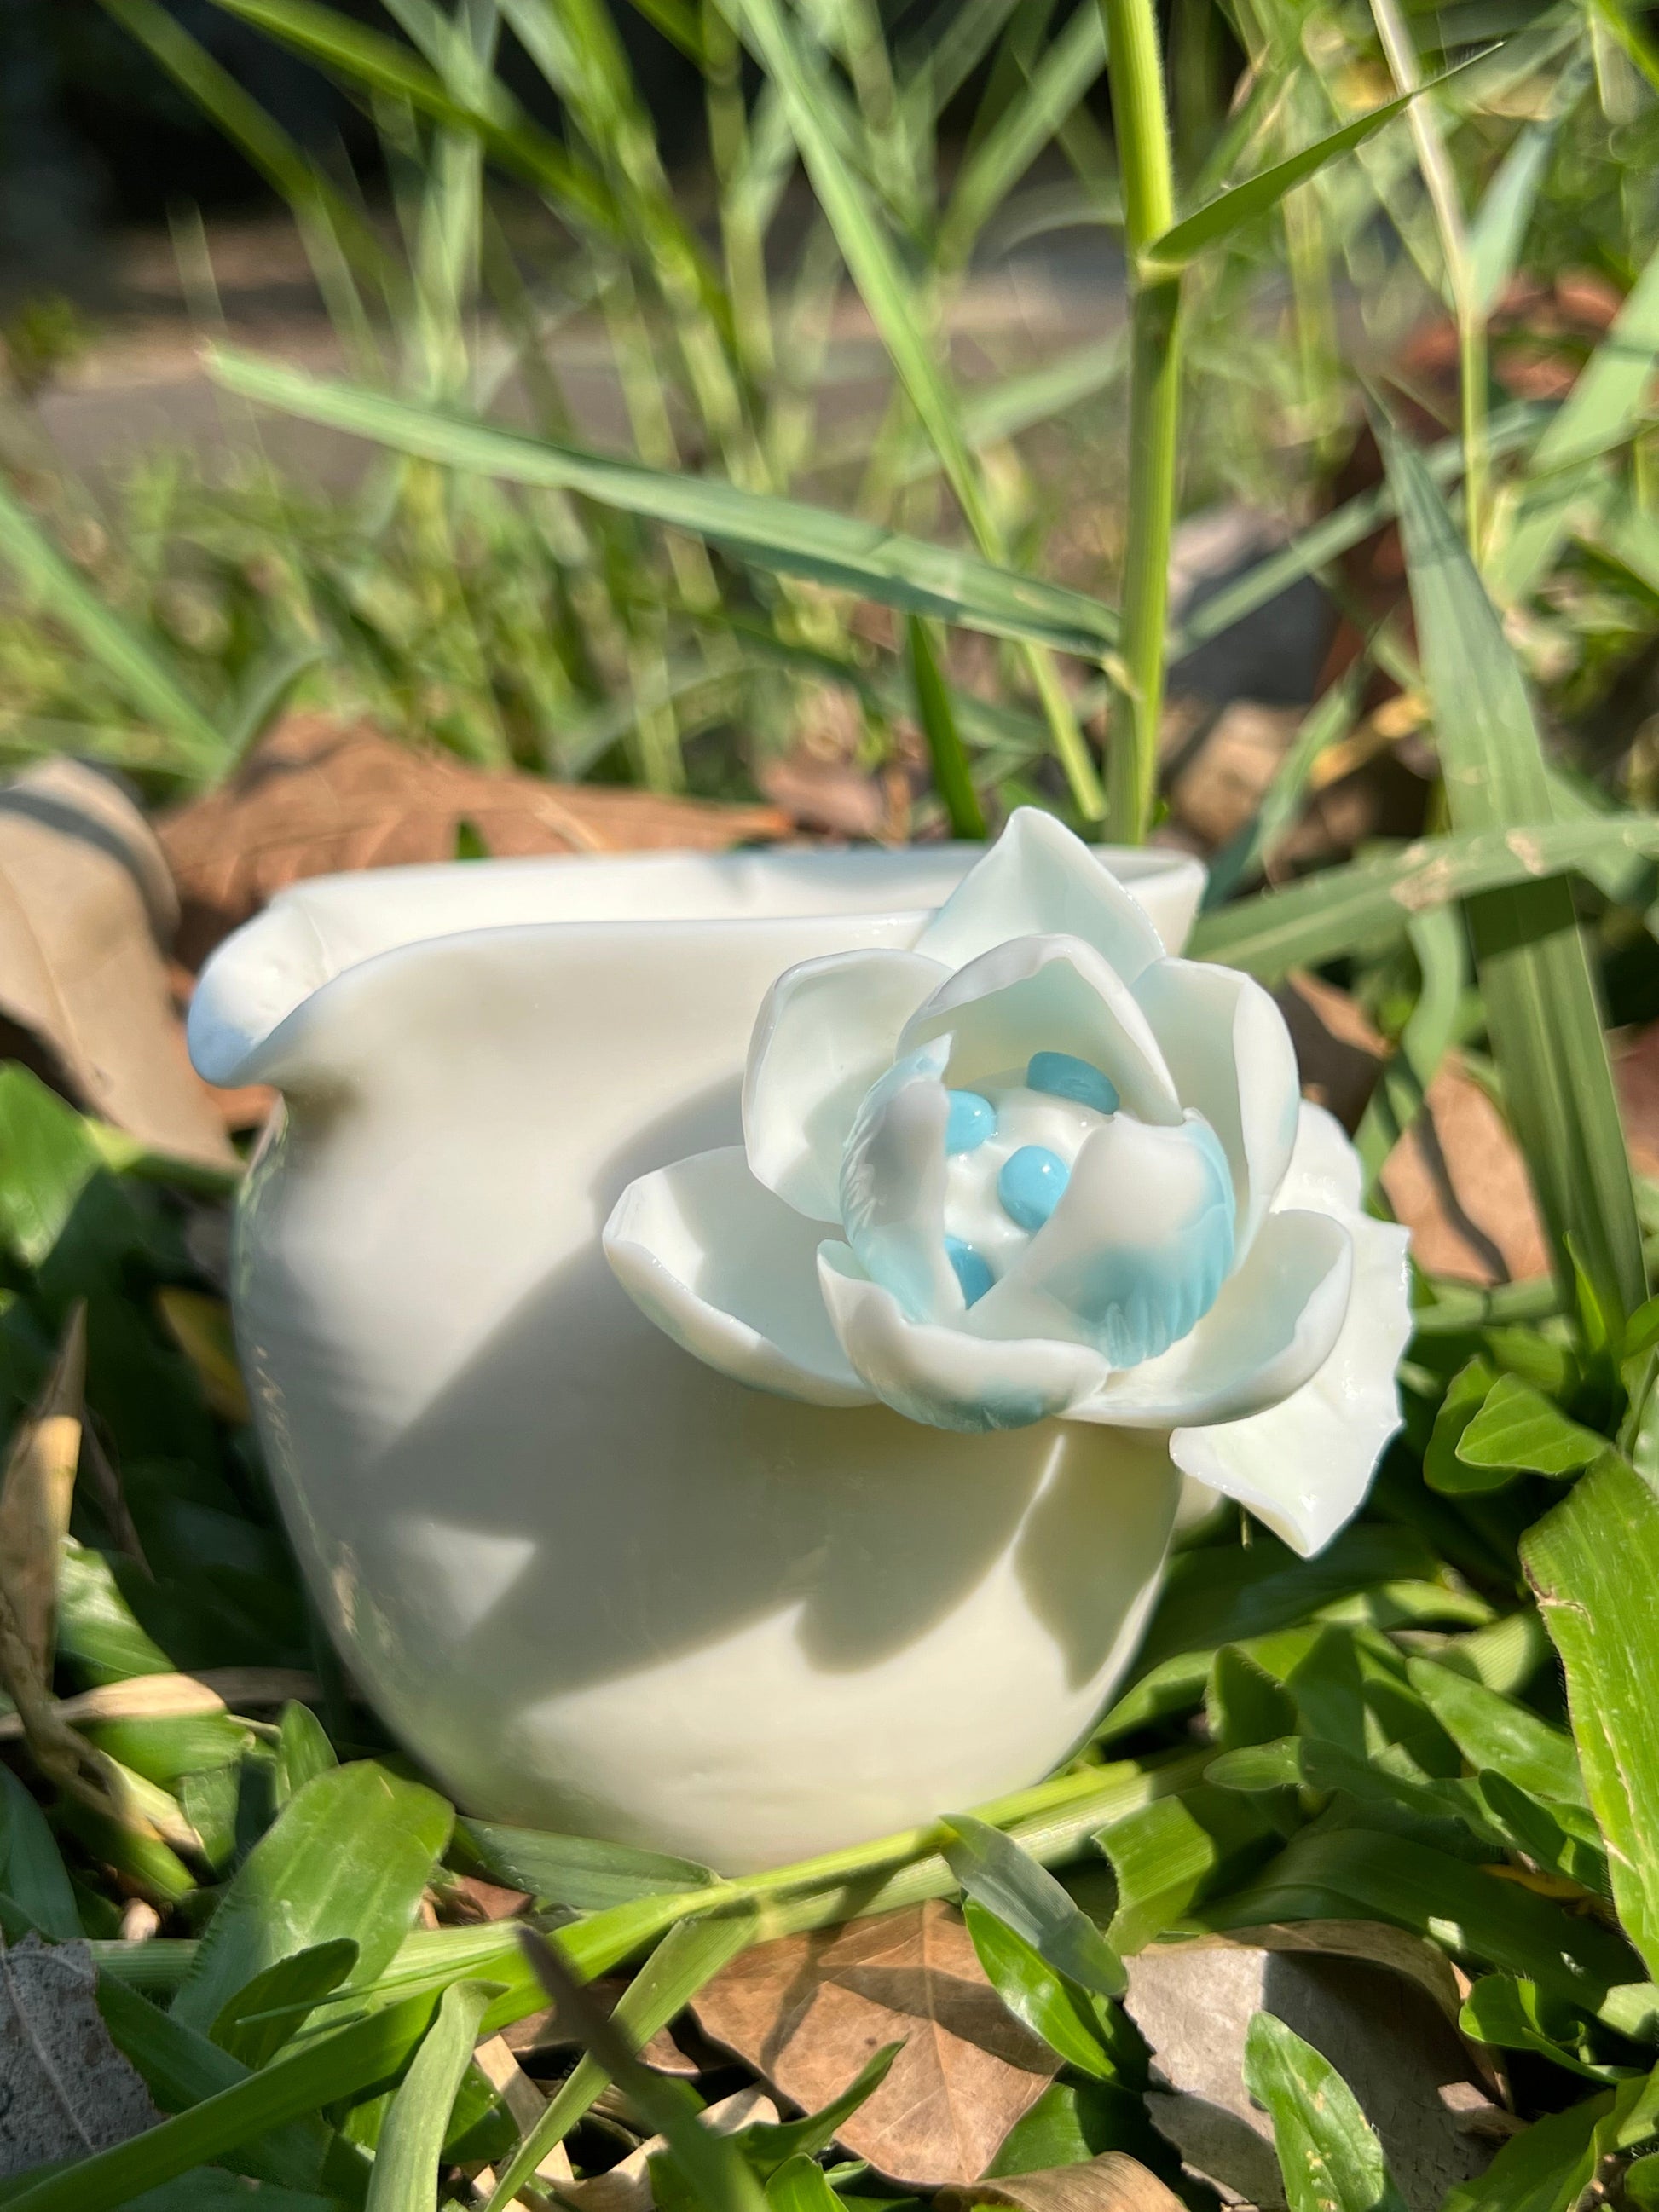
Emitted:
<point x="595" y="1586"/>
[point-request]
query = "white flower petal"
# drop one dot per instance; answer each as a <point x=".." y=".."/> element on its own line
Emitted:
<point x="730" y="1273"/>
<point x="1324" y="1174"/>
<point x="1304" y="1466"/>
<point x="929" y="1371"/>
<point x="893" y="1181"/>
<point x="1273" y="1328"/>
<point x="1230" y="1056"/>
<point x="1038" y="880"/>
<point x="1047" y="994"/>
<point x="827" y="1031"/>
<point x="1134" y="1255"/>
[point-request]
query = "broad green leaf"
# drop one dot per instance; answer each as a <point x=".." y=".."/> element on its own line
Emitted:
<point x="773" y="533"/>
<point x="1310" y="1762"/>
<point x="1008" y="1882"/>
<point x="1334" y="1875"/>
<point x="1173" y="1854"/>
<point x="1540" y="1002"/>
<point x="800" y="2185"/>
<point x="405" y="2175"/>
<point x="47" y="1157"/>
<point x="688" y="1956"/>
<point x="952" y="778"/>
<point x="1067" y="2019"/>
<point x="32" y="1869"/>
<point x="1548" y="2168"/>
<point x="1510" y="2013"/>
<point x="1496" y="1731"/>
<point x="1518" y="1427"/>
<point x="349" y="1856"/>
<point x="1332" y="913"/>
<point x="1255" y="196"/>
<point x="576" y="1870"/>
<point x="138" y="665"/>
<point x="1559" y="1838"/>
<point x="266" y="2011"/>
<point x="1327" y="2154"/>
<point x="1594" y="1564"/>
<point x="303" y="1750"/>
<point x="1604" y="407"/>
<point x="1245" y="1704"/>
<point x="1465" y="1393"/>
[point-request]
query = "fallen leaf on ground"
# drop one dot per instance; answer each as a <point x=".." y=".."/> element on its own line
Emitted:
<point x="828" y="795"/>
<point x="180" y="1697"/>
<point x="1226" y="778"/>
<point x="1338" y="1054"/>
<point x="808" y="2012"/>
<point x="65" y="2090"/>
<point x="1636" y="1073"/>
<point x="1385" y="2032"/>
<point x="1111" y="2183"/>
<point x="85" y="907"/>
<point x="319" y="797"/>
<point x="1457" y="1182"/>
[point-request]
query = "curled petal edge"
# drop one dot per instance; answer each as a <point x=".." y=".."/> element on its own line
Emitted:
<point x="1304" y="1466"/>
<point x="725" y="1269"/>
<point x="940" y="1374"/>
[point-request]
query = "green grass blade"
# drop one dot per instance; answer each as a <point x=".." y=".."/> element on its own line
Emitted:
<point x="1326" y="723"/>
<point x="1499" y="227"/>
<point x="405" y="2175"/>
<point x="952" y="778"/>
<point x="376" y="63"/>
<point x="1604" y="408"/>
<point x="1545" y="1023"/>
<point x="1594" y="1564"/>
<point x="784" y="535"/>
<point x="1439" y="940"/>
<point x="1372" y="900"/>
<point x="266" y="145"/>
<point x="135" y="664"/>
<point x="1185" y="240"/>
<point x="688" y="1956"/>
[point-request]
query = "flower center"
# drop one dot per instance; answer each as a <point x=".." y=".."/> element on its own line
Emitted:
<point x="1011" y="1144"/>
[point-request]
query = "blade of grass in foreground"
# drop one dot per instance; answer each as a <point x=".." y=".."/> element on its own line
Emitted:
<point x="1534" y="973"/>
<point x="132" y="661"/>
<point x="784" y="535"/>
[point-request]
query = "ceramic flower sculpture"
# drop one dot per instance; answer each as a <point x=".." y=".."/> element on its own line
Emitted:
<point x="1012" y="1219"/>
<point x="1033" y="1167"/>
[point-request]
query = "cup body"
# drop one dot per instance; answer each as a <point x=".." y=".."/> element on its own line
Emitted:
<point x="594" y="1586"/>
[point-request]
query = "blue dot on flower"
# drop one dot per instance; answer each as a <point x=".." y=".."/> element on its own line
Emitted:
<point x="971" y="1271"/>
<point x="1063" y="1075"/>
<point x="1031" y="1185"/>
<point x="972" y="1120"/>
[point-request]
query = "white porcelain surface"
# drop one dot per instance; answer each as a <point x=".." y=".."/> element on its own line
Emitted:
<point x="596" y="1586"/>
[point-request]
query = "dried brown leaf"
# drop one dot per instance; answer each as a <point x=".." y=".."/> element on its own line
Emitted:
<point x="1366" y="1996"/>
<point x="1111" y="2183"/>
<point x="319" y="797"/>
<point x="1457" y="1180"/>
<point x="65" y="2090"/>
<point x="626" y="2186"/>
<point x="809" y="2011"/>
<point x="178" y="1696"/>
<point x="1338" y="1054"/>
<point x="86" y="906"/>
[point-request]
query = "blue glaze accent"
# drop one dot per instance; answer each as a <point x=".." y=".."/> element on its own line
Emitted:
<point x="973" y="1119"/>
<point x="971" y="1271"/>
<point x="1136" y="1303"/>
<point x="1063" y="1075"/>
<point x="1031" y="1185"/>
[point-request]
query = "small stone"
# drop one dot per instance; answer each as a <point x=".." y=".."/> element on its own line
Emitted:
<point x="972" y="1120"/>
<point x="1063" y="1075"/>
<point x="971" y="1269"/>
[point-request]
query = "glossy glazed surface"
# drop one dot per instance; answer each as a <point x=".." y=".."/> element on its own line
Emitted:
<point x="597" y="1586"/>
